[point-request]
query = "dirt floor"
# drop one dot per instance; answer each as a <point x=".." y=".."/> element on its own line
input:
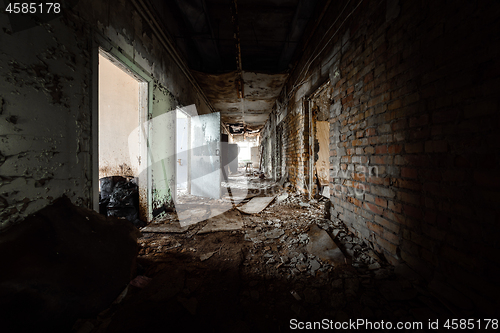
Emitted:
<point x="262" y="276"/>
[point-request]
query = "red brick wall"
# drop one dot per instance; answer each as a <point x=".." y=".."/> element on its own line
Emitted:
<point x="417" y="97"/>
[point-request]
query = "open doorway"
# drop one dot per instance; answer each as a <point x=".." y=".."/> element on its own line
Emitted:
<point x="320" y="115"/>
<point x="122" y="152"/>
<point x="183" y="131"/>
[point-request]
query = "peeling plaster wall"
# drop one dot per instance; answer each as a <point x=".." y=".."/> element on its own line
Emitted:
<point x="45" y="123"/>
<point x="45" y="98"/>
<point x="162" y="137"/>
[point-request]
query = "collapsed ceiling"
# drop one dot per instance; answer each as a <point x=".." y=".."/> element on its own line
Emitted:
<point x="240" y="51"/>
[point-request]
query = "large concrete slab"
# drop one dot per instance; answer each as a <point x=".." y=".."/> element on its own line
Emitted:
<point x="170" y="228"/>
<point x="226" y="221"/>
<point x="322" y="245"/>
<point x="256" y="205"/>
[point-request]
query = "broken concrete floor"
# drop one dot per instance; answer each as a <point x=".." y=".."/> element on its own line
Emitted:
<point x="280" y="265"/>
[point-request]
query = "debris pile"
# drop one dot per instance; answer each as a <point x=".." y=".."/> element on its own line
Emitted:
<point x="256" y="269"/>
<point x="119" y="197"/>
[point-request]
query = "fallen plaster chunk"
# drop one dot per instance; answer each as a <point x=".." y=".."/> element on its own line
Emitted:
<point x="228" y="221"/>
<point x="282" y="198"/>
<point x="171" y="228"/>
<point x="256" y="205"/>
<point x="295" y="295"/>
<point x="321" y="245"/>
<point x="206" y="256"/>
<point x="273" y="234"/>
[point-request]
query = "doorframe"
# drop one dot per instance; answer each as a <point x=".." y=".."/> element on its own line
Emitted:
<point x="312" y="132"/>
<point x="188" y="180"/>
<point x="101" y="45"/>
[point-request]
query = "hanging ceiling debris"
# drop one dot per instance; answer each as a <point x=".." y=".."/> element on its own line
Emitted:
<point x="240" y="51"/>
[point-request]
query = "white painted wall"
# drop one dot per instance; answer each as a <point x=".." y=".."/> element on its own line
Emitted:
<point x="118" y="117"/>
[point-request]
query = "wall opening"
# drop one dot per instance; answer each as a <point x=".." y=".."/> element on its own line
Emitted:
<point x="320" y="138"/>
<point x="183" y="130"/>
<point x="122" y="110"/>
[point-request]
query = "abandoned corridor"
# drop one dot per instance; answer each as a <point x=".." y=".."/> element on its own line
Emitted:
<point x="370" y="125"/>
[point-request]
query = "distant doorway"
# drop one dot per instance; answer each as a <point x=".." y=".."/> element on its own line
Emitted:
<point x="320" y="115"/>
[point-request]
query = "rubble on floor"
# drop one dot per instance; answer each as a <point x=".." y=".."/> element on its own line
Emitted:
<point x="286" y="261"/>
<point x="62" y="263"/>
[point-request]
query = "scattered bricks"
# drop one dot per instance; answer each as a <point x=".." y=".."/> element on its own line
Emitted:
<point x="395" y="149"/>
<point x="440" y="146"/>
<point x="373" y="208"/>
<point x="419" y="121"/>
<point x="412" y="148"/>
<point x="382" y="191"/>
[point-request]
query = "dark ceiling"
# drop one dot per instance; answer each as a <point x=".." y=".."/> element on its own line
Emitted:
<point x="269" y="32"/>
